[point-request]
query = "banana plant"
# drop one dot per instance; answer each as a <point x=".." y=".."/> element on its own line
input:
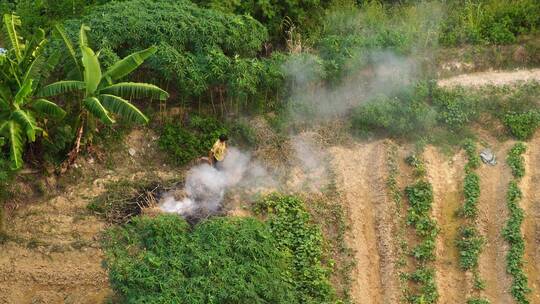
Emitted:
<point x="103" y="97"/>
<point x="21" y="112"/>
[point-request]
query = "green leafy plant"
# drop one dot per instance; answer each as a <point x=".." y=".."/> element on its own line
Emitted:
<point x="21" y="112"/>
<point x="478" y="301"/>
<point x="102" y="97"/>
<point x="289" y="223"/>
<point x="471" y="189"/>
<point x="516" y="161"/>
<point x="512" y="230"/>
<point x="420" y="198"/>
<point x="512" y="234"/>
<point x="522" y="125"/>
<point x="469" y="243"/>
<point x="184" y="143"/>
<point x="405" y="114"/>
<point x="455" y="108"/>
<point x="221" y="260"/>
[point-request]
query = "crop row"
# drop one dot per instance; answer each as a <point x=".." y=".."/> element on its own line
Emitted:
<point x="420" y="197"/>
<point x="512" y="230"/>
<point x="396" y="194"/>
<point x="469" y="240"/>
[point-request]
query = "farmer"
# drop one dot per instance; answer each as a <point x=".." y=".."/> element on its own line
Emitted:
<point x="218" y="151"/>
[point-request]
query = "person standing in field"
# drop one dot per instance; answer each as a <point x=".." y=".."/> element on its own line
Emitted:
<point x="218" y="151"/>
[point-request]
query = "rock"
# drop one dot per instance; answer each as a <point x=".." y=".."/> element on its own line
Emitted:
<point x="132" y="152"/>
<point x="488" y="157"/>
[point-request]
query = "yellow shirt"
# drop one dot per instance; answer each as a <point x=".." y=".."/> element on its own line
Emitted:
<point x="219" y="149"/>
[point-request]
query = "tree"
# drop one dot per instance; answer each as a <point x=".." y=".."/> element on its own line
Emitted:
<point x="102" y="97"/>
<point x="20" y="111"/>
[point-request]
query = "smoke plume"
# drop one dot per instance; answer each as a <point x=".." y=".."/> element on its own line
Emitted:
<point x="205" y="185"/>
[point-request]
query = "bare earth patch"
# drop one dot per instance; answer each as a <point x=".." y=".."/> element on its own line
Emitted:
<point x="530" y="185"/>
<point x="497" y="78"/>
<point x="492" y="217"/>
<point x="361" y="183"/>
<point x="446" y="177"/>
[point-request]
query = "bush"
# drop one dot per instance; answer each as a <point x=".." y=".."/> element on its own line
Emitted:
<point x="522" y="125"/>
<point x="240" y="131"/>
<point x="404" y="114"/>
<point x="185" y="143"/>
<point x="290" y="224"/>
<point x="303" y="14"/>
<point x="200" y="51"/>
<point x="489" y="21"/>
<point x="222" y="260"/>
<point x="454" y="108"/>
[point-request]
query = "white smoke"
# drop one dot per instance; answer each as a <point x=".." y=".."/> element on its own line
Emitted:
<point x="312" y="99"/>
<point x="205" y="185"/>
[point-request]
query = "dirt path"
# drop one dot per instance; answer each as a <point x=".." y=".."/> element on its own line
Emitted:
<point x="530" y="203"/>
<point x="446" y="177"/>
<point x="361" y="182"/>
<point x="53" y="255"/>
<point x="497" y="78"/>
<point x="493" y="214"/>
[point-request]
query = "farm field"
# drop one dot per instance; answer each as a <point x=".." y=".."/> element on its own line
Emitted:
<point x="283" y="152"/>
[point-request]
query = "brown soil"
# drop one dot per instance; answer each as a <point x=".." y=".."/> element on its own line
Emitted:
<point x="53" y="255"/>
<point x="52" y="251"/>
<point x="361" y="179"/>
<point x="446" y="176"/>
<point x="497" y="78"/>
<point x="531" y="225"/>
<point x="493" y="214"/>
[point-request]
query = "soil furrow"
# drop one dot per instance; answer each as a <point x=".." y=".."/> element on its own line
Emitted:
<point x="446" y="177"/>
<point x="492" y="217"/>
<point x="360" y="180"/>
<point x="530" y="203"/>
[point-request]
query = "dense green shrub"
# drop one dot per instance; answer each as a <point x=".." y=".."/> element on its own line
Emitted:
<point x="222" y="260"/>
<point x="184" y="143"/>
<point x="455" y="108"/>
<point x="201" y="51"/>
<point x="241" y="132"/>
<point x="522" y="125"/>
<point x="469" y="243"/>
<point x="290" y="224"/>
<point x="489" y="21"/>
<point x="403" y="114"/>
<point x="277" y="16"/>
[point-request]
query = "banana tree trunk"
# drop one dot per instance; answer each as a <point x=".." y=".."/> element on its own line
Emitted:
<point x="72" y="155"/>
